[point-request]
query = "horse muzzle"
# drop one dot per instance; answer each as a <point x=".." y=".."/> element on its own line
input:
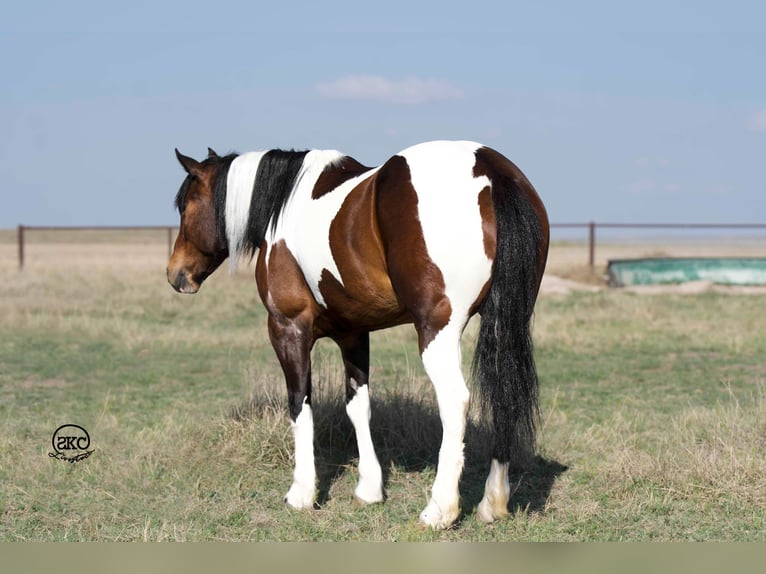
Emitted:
<point x="180" y="281"/>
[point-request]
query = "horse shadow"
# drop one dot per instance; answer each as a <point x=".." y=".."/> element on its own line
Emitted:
<point x="406" y="431"/>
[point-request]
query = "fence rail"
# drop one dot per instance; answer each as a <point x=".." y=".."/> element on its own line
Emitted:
<point x="591" y="227"/>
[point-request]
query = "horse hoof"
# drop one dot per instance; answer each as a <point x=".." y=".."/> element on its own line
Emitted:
<point x="366" y="496"/>
<point x="299" y="499"/>
<point x="363" y="502"/>
<point x="433" y="517"/>
<point x="488" y="512"/>
<point x="369" y="501"/>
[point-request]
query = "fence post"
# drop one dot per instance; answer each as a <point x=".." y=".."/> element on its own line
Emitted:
<point x="21" y="246"/>
<point x="170" y="241"/>
<point x="591" y="243"/>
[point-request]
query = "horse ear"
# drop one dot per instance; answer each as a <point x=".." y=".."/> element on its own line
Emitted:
<point x="190" y="165"/>
<point x="211" y="153"/>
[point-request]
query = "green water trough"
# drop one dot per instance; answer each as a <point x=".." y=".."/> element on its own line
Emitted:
<point x="675" y="270"/>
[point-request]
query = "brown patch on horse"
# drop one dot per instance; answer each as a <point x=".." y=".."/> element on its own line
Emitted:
<point x="261" y="272"/>
<point x="417" y="281"/>
<point x="282" y="287"/>
<point x="365" y="298"/>
<point x="348" y="312"/>
<point x="336" y="174"/>
<point x="292" y="310"/>
<point x="489" y="230"/>
<point x="492" y="164"/>
<point x="488" y="225"/>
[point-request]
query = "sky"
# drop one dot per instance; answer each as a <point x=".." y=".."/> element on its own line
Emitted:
<point x="616" y="111"/>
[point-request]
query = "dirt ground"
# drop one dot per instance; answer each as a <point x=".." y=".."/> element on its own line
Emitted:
<point x="568" y="268"/>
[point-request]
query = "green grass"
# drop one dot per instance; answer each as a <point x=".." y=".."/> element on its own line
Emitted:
<point x="653" y="420"/>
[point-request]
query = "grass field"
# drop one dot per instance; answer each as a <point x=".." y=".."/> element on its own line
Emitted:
<point x="653" y="417"/>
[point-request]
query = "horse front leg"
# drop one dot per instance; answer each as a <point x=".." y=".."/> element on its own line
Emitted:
<point x="292" y="340"/>
<point x="356" y="360"/>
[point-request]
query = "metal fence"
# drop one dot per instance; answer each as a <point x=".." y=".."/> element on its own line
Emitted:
<point x="590" y="227"/>
<point x="593" y="226"/>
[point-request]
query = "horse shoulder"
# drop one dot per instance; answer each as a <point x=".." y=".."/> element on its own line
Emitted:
<point x="282" y="285"/>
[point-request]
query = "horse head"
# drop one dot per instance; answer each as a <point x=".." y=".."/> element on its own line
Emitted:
<point x="201" y="243"/>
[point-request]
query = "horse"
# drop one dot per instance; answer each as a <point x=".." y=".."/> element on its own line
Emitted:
<point x="439" y="232"/>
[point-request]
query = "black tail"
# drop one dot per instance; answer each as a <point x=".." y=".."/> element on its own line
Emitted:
<point x="504" y="362"/>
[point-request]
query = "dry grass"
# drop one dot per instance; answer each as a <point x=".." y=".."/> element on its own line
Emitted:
<point x="653" y="421"/>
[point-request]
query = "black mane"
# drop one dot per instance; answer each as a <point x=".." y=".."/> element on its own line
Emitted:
<point x="221" y="165"/>
<point x="274" y="183"/>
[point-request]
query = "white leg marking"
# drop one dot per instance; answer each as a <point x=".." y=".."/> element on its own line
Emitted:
<point x="497" y="492"/>
<point x="370" y="487"/>
<point x="303" y="490"/>
<point x="442" y="363"/>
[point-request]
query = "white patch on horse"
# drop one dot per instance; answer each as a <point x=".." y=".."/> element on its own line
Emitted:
<point x="370" y="487"/>
<point x="239" y="194"/>
<point x="448" y="209"/>
<point x="303" y="490"/>
<point x="305" y="222"/>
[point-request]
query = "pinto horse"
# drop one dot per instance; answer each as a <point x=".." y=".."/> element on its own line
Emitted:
<point x="439" y="232"/>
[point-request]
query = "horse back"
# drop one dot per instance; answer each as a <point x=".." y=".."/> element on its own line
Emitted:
<point x="375" y="248"/>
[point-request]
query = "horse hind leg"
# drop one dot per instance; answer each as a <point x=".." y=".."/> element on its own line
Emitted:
<point x="356" y="360"/>
<point x="442" y="361"/>
<point x="497" y="493"/>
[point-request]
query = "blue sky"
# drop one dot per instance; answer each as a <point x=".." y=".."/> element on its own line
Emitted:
<point x="616" y="111"/>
